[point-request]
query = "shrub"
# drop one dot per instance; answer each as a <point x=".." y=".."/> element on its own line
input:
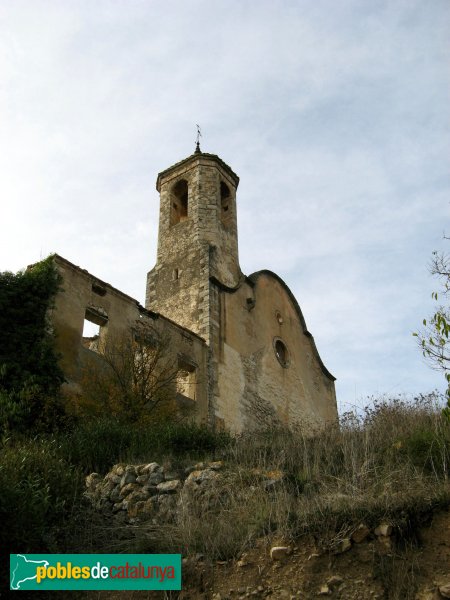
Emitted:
<point x="30" y="377"/>
<point x="98" y="444"/>
<point x="39" y="490"/>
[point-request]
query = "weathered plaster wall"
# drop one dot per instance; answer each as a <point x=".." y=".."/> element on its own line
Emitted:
<point x="254" y="389"/>
<point x="81" y="291"/>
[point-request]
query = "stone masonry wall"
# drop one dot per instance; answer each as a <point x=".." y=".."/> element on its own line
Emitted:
<point x="178" y="285"/>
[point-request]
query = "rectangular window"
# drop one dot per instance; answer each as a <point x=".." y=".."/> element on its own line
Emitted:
<point x="95" y="319"/>
<point x="186" y="380"/>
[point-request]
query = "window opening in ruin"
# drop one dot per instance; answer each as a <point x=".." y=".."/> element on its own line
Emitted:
<point x="279" y="317"/>
<point x="281" y="352"/>
<point x="175" y="274"/>
<point x="250" y="303"/>
<point x="186" y="380"/>
<point x="94" y="320"/>
<point x="225" y="200"/>
<point x="179" y="202"/>
<point x="98" y="289"/>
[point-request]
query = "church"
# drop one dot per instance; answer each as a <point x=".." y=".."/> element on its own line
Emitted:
<point x="245" y="356"/>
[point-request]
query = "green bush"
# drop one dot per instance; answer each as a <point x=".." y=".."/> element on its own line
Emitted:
<point x="187" y="438"/>
<point x="39" y="491"/>
<point x="30" y="377"/>
<point x="427" y="450"/>
<point x="98" y="444"/>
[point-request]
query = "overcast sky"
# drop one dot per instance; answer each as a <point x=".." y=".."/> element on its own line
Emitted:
<point x="335" y="115"/>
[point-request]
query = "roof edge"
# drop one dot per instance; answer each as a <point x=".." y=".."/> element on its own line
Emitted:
<point x="196" y="156"/>
<point x="255" y="276"/>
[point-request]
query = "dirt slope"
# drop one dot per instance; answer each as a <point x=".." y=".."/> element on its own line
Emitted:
<point x="371" y="569"/>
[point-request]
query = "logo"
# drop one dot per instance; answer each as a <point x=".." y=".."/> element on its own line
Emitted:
<point x="95" y="571"/>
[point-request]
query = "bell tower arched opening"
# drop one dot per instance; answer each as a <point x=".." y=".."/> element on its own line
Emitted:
<point x="226" y="213"/>
<point x="179" y="202"/>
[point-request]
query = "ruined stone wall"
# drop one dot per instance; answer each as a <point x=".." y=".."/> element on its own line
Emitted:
<point x="83" y="295"/>
<point x="254" y="388"/>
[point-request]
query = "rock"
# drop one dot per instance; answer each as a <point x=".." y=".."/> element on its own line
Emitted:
<point x="92" y="481"/>
<point x="151" y="468"/>
<point x="343" y="546"/>
<point x="118" y="470"/>
<point x="360" y="533"/>
<point x="324" y="591"/>
<point x="155" y="478"/>
<point x="335" y="581"/>
<point x="216" y="465"/>
<point x="114" y="496"/>
<point x="383" y="529"/>
<point x="171" y="475"/>
<point x="140" y="509"/>
<point x="142" y="479"/>
<point x="136" y="496"/>
<point x="128" y="489"/>
<point x="279" y="552"/>
<point x="169" y="487"/>
<point x="128" y="477"/>
<point x="444" y="590"/>
<point x="111" y="476"/>
<point x="104" y="489"/>
<point x="150" y="490"/>
<point x="200" y="477"/>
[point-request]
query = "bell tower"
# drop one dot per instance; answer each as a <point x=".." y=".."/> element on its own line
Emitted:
<point x="197" y="240"/>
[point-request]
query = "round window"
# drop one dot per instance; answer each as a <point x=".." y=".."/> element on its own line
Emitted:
<point x="281" y="352"/>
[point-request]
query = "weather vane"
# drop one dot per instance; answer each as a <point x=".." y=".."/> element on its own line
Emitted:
<point x="199" y="135"/>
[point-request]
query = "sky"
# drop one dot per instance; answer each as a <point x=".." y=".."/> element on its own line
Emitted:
<point x="335" y="116"/>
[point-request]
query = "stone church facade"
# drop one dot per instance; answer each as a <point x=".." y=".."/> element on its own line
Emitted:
<point x="240" y="342"/>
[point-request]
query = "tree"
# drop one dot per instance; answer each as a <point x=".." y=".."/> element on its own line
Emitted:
<point x="30" y="377"/>
<point x="434" y="338"/>
<point x="133" y="377"/>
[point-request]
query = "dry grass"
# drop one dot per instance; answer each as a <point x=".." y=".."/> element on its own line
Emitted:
<point x="391" y="463"/>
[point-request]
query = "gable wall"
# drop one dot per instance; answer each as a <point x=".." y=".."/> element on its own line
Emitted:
<point x="254" y="389"/>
